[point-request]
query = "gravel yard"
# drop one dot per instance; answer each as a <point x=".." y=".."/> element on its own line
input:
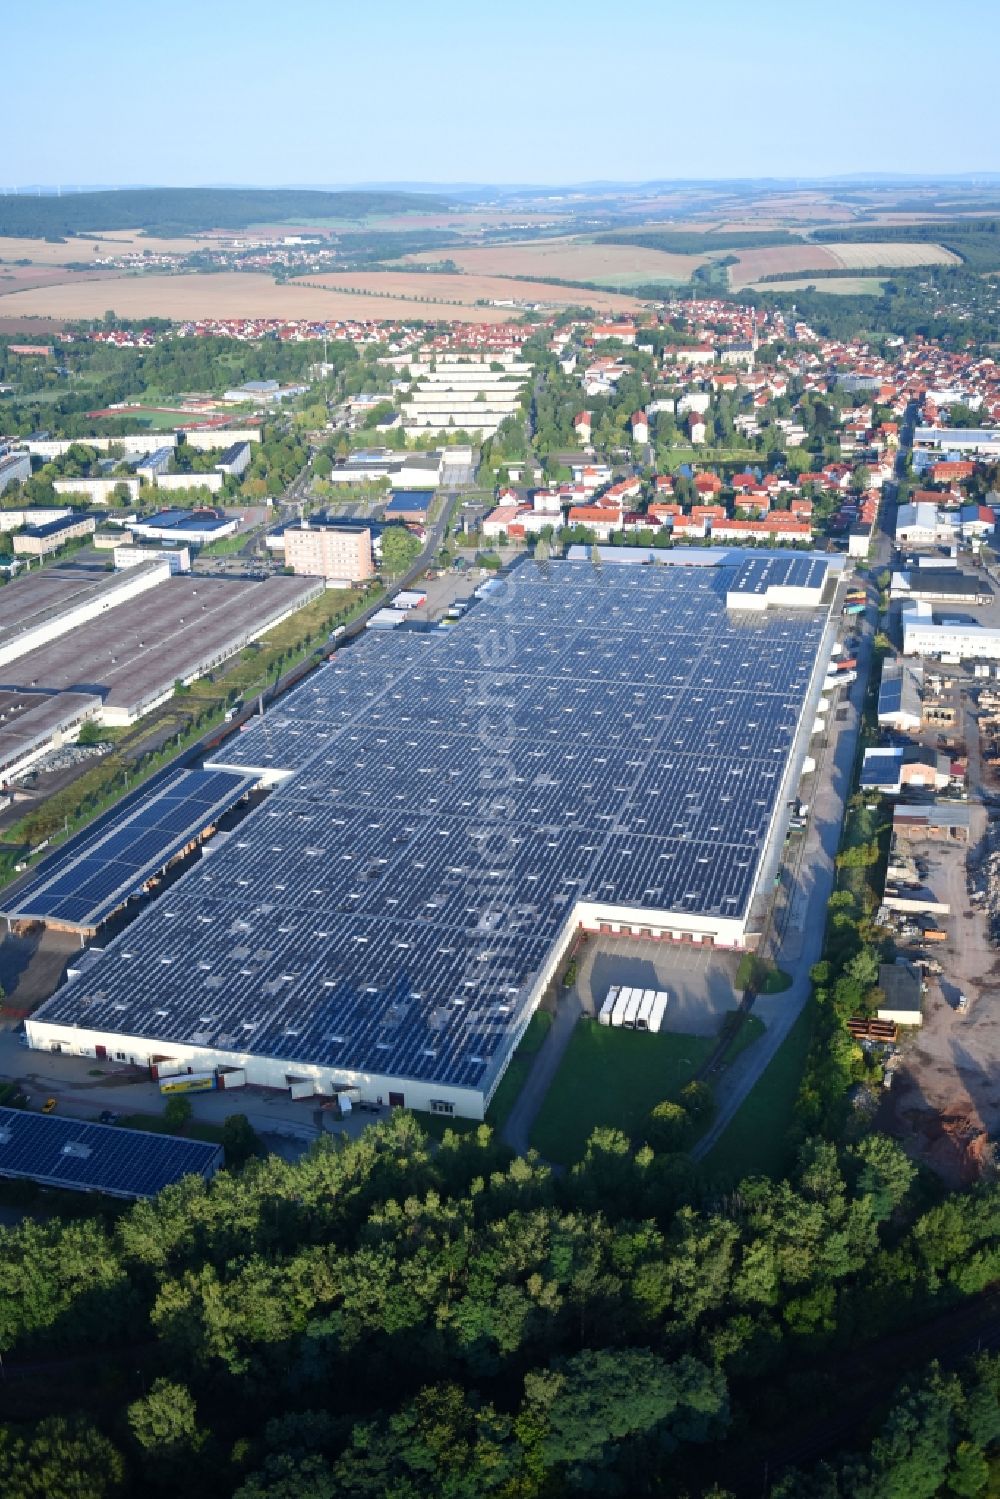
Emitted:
<point x="945" y="1101"/>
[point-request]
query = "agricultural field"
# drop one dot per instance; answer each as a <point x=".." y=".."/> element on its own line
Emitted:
<point x="834" y="286"/>
<point x="92" y="247"/>
<point x="244" y="294"/>
<point x="570" y="260"/>
<point x="465" y="290"/>
<point x="754" y="265"/>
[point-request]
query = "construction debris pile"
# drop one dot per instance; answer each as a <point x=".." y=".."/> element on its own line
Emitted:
<point x="984" y="879"/>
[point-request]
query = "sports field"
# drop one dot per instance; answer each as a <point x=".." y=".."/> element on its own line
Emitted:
<point x="571" y="260"/>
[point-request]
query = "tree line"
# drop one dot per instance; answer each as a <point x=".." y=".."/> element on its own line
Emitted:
<point x="389" y="1317"/>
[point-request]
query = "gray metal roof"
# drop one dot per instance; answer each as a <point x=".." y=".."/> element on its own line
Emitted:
<point x="59" y="1152"/>
<point x="612" y="735"/>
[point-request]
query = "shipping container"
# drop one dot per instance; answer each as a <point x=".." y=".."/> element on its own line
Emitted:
<point x="607" y="1008"/>
<point x="659" y="1009"/>
<point x="645" y="1010"/>
<point x="621" y="1005"/>
<point x="188" y="1082"/>
<point x="235" y="1077"/>
<point x="632" y="1009"/>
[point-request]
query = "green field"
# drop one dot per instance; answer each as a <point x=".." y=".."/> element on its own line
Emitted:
<point x="757" y="1139"/>
<point x="834" y="286"/>
<point x="612" y="1078"/>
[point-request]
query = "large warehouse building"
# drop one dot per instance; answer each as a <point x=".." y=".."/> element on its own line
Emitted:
<point x="133" y="655"/>
<point x="607" y="748"/>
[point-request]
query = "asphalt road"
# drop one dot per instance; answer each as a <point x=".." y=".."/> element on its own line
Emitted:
<point x="798" y="939"/>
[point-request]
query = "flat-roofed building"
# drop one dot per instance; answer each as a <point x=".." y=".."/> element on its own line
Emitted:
<point x="41" y="541"/>
<point x="32" y="723"/>
<point x="944" y="821"/>
<point x="329" y="551"/>
<point x="14" y="469"/>
<point x="54" y="601"/>
<point x="177" y="559"/>
<point x="390" y="916"/>
<point x="220" y="437"/>
<point x="98" y="491"/>
<point x="900" y="986"/>
<point x="195" y="527"/>
<point x="235" y="460"/>
<point x="134" y="656"/>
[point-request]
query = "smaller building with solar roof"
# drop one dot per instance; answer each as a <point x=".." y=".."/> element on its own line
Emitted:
<point x="106" y="1158"/>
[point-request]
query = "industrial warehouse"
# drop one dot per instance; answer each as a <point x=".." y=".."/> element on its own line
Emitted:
<point x="132" y="655"/>
<point x="605" y="748"/>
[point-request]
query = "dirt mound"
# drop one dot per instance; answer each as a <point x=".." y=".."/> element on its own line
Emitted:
<point x="956" y="1146"/>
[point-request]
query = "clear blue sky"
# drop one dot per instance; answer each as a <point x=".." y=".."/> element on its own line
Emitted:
<point x="325" y="91"/>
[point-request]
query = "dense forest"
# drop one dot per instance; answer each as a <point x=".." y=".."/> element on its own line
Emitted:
<point x="696" y="241"/>
<point x="191" y="210"/>
<point x="392" y="1318"/>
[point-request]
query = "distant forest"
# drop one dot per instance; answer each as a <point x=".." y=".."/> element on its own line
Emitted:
<point x="694" y="242"/>
<point x="191" y="210"/>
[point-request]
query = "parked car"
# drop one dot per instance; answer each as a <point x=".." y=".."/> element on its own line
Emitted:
<point x="48" y="1105"/>
<point x="107" y="1116"/>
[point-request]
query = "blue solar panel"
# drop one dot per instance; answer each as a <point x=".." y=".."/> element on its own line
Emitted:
<point x="95" y="873"/>
<point x="600" y="737"/>
<point x="63" y="1152"/>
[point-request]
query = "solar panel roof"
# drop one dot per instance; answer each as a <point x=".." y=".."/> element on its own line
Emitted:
<point x="584" y="734"/>
<point x="98" y="870"/>
<point x="758" y="574"/>
<point x="62" y="1152"/>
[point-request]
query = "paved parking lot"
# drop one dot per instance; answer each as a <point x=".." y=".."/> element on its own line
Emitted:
<point x="700" y="983"/>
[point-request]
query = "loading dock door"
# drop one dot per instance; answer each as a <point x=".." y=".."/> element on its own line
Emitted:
<point x="395" y="1100"/>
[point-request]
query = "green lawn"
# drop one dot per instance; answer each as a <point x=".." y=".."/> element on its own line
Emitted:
<point x="518" y="1068"/>
<point x="750" y="1028"/>
<point x="757" y="1139"/>
<point x="612" y="1077"/>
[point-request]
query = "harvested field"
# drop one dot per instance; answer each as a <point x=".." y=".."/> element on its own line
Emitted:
<point x="753" y="265"/>
<point x="571" y="260"/>
<point x="466" y="290"/>
<point x="857" y="257"/>
<point x="118" y="242"/>
<point x="238" y="294"/>
<point x="24" y="277"/>
<point x="39" y="326"/>
<point x="768" y="260"/>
